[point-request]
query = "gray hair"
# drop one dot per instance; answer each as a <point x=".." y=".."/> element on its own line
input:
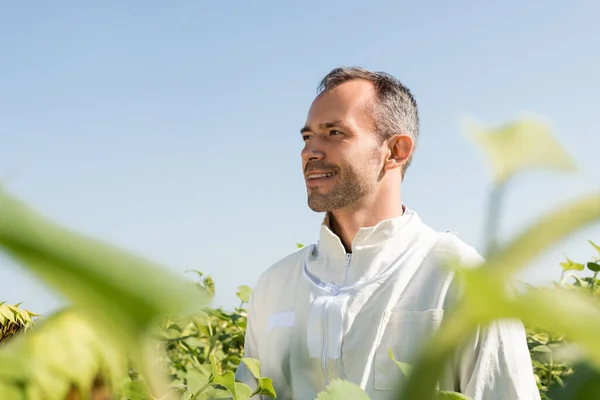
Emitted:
<point x="395" y="110"/>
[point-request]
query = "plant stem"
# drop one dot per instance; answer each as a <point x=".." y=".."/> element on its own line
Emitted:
<point x="493" y="218"/>
<point x="202" y="389"/>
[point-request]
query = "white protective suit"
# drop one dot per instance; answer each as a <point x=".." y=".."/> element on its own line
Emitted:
<point x="320" y="314"/>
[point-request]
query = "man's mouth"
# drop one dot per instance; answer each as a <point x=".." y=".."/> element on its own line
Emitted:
<point x="314" y="176"/>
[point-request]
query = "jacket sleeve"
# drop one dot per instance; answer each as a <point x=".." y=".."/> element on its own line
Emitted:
<point x="242" y="373"/>
<point x="495" y="364"/>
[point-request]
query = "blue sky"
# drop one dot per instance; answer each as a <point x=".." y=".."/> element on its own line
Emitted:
<point x="172" y="128"/>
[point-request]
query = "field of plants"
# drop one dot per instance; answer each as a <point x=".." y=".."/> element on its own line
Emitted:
<point x="136" y="331"/>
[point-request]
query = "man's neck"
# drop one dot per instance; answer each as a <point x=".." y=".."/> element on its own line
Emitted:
<point x="346" y="223"/>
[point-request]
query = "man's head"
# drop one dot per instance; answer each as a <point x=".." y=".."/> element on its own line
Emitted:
<point x="360" y="131"/>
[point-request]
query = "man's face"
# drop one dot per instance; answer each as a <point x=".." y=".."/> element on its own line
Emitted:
<point x="342" y="156"/>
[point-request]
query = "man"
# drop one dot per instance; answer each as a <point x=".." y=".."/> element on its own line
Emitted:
<point x="375" y="278"/>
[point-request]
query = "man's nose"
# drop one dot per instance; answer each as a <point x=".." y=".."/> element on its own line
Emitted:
<point x="312" y="151"/>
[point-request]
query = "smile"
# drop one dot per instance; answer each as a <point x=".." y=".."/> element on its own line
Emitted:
<point x="320" y="176"/>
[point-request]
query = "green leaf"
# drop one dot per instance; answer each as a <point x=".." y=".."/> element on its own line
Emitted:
<point x="592" y="266"/>
<point x="11" y="391"/>
<point x="244" y="293"/>
<point x="253" y="366"/>
<point x="447" y="395"/>
<point x="299" y="245"/>
<point x="196" y="380"/>
<point x="265" y="387"/>
<point x="7" y="313"/>
<point x="61" y="352"/>
<point x="120" y="291"/>
<point x="243" y="391"/>
<point x="595" y="246"/>
<point x="569" y="265"/>
<point x="549" y="229"/>
<point x="137" y="390"/>
<point x="227" y="380"/>
<point x="406" y="368"/>
<point x="483" y="291"/>
<point x="541" y="349"/>
<point x="521" y="145"/>
<point x="342" y="390"/>
<point x="584" y="384"/>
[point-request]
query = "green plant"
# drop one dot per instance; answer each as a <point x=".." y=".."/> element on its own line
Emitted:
<point x="551" y="351"/>
<point x="148" y="334"/>
<point x="14" y="320"/>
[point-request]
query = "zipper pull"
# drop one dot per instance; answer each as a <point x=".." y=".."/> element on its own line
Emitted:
<point x="348" y="259"/>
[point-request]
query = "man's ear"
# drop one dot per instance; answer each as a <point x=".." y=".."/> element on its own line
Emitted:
<point x="400" y="148"/>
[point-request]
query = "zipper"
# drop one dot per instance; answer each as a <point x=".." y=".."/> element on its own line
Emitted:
<point x="325" y="321"/>
<point x="348" y="260"/>
<point x="324" y="350"/>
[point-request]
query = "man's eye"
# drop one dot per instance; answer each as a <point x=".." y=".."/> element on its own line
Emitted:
<point x="334" y="132"/>
<point x="305" y="137"/>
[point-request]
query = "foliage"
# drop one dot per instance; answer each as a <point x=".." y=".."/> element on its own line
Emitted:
<point x="136" y="331"/>
<point x="14" y="320"/>
<point x="553" y="356"/>
<point x="486" y="296"/>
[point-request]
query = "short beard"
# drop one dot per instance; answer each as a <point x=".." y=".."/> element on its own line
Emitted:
<point x="342" y="195"/>
<point x="353" y="187"/>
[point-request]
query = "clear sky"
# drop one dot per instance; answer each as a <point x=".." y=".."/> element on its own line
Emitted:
<point x="172" y="128"/>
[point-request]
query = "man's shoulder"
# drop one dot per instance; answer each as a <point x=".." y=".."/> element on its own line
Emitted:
<point x="450" y="247"/>
<point x="285" y="268"/>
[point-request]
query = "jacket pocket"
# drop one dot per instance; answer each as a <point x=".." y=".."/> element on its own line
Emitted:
<point x="406" y="333"/>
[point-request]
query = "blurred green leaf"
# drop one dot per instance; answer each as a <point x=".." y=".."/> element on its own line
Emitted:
<point x="446" y="395"/>
<point x="244" y="293"/>
<point x="342" y="390"/>
<point x="541" y="349"/>
<point x="196" y="380"/>
<point x="406" y="368"/>
<point x="595" y="246"/>
<point x="265" y="385"/>
<point x="7" y="313"/>
<point x="265" y="388"/>
<point x="550" y="228"/>
<point x="569" y="265"/>
<point x="10" y="391"/>
<point x="137" y="390"/>
<point x="122" y="290"/>
<point x="584" y="384"/>
<point x="253" y="366"/>
<point x="524" y="144"/>
<point x="62" y="351"/>
<point x="592" y="266"/>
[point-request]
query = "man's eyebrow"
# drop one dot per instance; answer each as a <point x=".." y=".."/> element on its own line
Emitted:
<point x="324" y="125"/>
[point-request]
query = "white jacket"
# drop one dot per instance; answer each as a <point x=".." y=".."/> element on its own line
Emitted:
<point x="320" y="314"/>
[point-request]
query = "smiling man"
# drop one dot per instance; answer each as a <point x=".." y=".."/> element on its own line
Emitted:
<point x="375" y="279"/>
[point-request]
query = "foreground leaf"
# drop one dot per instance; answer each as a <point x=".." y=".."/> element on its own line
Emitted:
<point x="548" y="230"/>
<point x="137" y="390"/>
<point x="593" y="266"/>
<point x="569" y="265"/>
<point x="123" y="292"/>
<point x="59" y="353"/>
<point x="406" y="368"/>
<point x="342" y="390"/>
<point x="445" y="395"/>
<point x="244" y="293"/>
<point x="518" y="146"/>
<point x="265" y="385"/>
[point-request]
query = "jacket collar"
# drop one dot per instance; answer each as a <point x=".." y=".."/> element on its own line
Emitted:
<point x="366" y="237"/>
<point x="373" y="250"/>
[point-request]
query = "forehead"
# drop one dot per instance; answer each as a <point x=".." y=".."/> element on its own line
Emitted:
<point x="348" y="102"/>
